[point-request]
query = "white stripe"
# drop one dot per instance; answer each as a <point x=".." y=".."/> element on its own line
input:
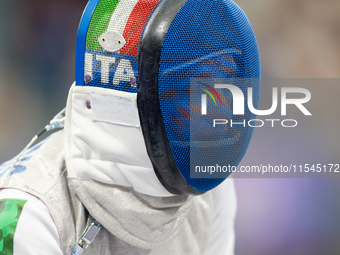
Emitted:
<point x="121" y="15"/>
<point x="88" y="64"/>
<point x="98" y="90"/>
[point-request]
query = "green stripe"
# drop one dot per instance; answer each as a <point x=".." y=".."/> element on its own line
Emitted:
<point x="208" y="92"/>
<point x="100" y="22"/>
<point x="10" y="211"/>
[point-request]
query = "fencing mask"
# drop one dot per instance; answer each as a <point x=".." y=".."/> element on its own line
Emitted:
<point x="188" y="63"/>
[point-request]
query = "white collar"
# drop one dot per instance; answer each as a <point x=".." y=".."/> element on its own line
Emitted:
<point x="105" y="143"/>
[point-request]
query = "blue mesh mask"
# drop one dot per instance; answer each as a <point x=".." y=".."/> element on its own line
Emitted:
<point x="187" y="50"/>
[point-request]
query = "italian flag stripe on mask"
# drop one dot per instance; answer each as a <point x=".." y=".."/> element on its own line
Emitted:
<point x="127" y="17"/>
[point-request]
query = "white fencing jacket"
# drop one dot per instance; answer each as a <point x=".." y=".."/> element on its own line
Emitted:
<point x="98" y="167"/>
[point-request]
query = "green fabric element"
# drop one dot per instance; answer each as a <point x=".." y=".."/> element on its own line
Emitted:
<point x="100" y="22"/>
<point x="10" y="211"/>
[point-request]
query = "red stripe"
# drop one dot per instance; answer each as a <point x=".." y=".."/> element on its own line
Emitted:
<point x="135" y="24"/>
<point x="218" y="96"/>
